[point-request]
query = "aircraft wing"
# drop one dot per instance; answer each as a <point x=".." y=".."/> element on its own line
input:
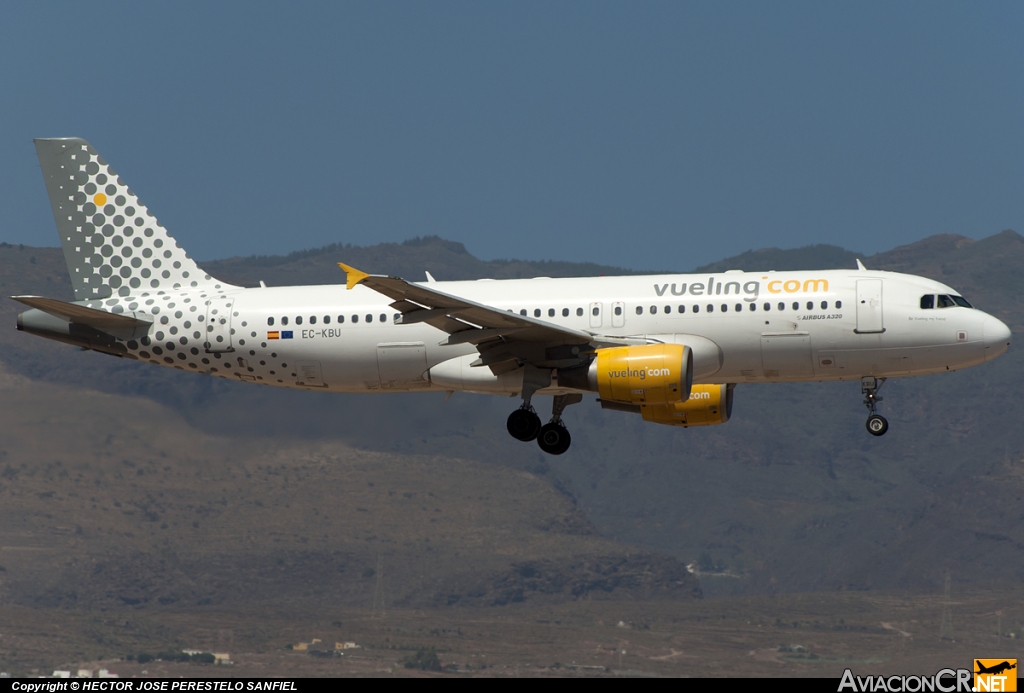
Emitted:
<point x="504" y="339"/>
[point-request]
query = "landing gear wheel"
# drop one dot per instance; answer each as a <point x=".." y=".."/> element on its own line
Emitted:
<point x="554" y="438"/>
<point x="877" y="425"/>
<point x="523" y="424"/>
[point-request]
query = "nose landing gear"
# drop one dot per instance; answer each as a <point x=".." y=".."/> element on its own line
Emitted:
<point x="869" y="387"/>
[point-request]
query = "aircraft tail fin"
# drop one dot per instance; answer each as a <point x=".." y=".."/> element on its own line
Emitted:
<point x="112" y="243"/>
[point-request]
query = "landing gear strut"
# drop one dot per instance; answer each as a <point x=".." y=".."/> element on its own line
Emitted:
<point x="869" y="387"/>
<point x="554" y="437"/>
<point x="524" y="424"/>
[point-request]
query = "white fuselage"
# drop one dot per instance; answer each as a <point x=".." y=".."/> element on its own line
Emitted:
<point x="742" y="327"/>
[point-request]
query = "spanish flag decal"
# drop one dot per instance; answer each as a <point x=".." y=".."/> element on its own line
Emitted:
<point x="273" y="335"/>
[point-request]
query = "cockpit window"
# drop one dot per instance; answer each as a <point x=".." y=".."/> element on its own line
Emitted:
<point x="945" y="301"/>
<point x="961" y="301"/>
<point x="927" y="301"/>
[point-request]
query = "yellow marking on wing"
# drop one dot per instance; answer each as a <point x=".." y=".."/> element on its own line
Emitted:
<point x="354" y="276"/>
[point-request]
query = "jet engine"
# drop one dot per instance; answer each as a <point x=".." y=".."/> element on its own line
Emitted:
<point x="708" y="405"/>
<point x="651" y="374"/>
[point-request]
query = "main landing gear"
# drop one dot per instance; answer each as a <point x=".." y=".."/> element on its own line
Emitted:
<point x="524" y="424"/>
<point x="553" y="437"/>
<point x="869" y="387"/>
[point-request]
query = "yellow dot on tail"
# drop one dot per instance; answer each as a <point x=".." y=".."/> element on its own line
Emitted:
<point x="100" y="199"/>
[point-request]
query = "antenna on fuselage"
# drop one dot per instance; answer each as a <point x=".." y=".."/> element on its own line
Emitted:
<point x="430" y="277"/>
<point x="860" y="265"/>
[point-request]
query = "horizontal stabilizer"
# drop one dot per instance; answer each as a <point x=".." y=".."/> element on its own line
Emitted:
<point x="72" y="312"/>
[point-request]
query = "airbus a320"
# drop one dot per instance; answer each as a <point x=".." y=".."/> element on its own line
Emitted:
<point x="670" y="348"/>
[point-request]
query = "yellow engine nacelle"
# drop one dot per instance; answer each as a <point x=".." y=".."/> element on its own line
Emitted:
<point x="708" y="405"/>
<point x="633" y="375"/>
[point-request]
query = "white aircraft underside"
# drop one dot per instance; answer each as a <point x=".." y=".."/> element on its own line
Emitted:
<point x="138" y="295"/>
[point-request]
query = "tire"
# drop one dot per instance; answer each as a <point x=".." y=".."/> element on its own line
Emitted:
<point x="877" y="425"/>
<point x="523" y="425"/>
<point x="554" y="439"/>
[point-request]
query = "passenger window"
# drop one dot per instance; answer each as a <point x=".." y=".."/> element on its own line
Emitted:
<point x="654" y="310"/>
<point x="696" y="309"/>
<point x="551" y="312"/>
<point x="383" y="317"/>
<point x="839" y="304"/>
<point x="565" y="312"/>
<point x="312" y="319"/>
<point x="711" y="308"/>
<point x="327" y="319"/>
<point x="284" y="320"/>
<point x="796" y="305"/>
<point x="522" y="312"/>
<point x="753" y="307"/>
<point x="945" y="301"/>
<point x="341" y="319"/>
<point x="618" y="310"/>
<point x="536" y="312"/>
<point x="270" y="321"/>
<point x="682" y="309"/>
<point x="369" y="318"/>
<point x="596" y="311"/>
<point x="927" y="302"/>
<point x="725" y="307"/>
<point x="782" y="306"/>
<point x="355" y="318"/>
<point x="810" y="305"/>
<point x="396" y="316"/>
<point x="767" y="306"/>
<point x="579" y="312"/>
<point x="962" y="302"/>
<point x="739" y="307"/>
<point x="824" y="305"/>
<point x="298" y="320"/>
<point x="639" y="310"/>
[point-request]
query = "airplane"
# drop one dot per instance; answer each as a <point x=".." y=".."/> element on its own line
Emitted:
<point x="995" y="668"/>
<point x="670" y="348"/>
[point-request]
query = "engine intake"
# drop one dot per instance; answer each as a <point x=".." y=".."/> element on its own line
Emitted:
<point x="651" y="374"/>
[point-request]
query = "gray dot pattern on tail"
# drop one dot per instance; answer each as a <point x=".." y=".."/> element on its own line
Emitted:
<point x="117" y="246"/>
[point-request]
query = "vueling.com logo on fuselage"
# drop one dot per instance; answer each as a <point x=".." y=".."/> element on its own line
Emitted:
<point x="640" y="373"/>
<point x="749" y="290"/>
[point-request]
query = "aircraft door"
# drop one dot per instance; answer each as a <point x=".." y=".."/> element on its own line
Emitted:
<point x="869" y="306"/>
<point x="618" y="314"/>
<point x="596" y="309"/>
<point x="401" y="365"/>
<point x="218" y="325"/>
<point x="786" y="355"/>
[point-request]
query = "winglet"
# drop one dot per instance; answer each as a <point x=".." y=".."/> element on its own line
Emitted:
<point x="354" y="276"/>
<point x="860" y="265"/>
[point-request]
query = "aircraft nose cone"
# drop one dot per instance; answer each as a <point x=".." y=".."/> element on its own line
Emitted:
<point x="997" y="337"/>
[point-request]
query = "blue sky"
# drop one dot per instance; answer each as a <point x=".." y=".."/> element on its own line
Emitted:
<point x="647" y="135"/>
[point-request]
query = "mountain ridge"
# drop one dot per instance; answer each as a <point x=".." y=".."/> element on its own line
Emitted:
<point x="791" y="494"/>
